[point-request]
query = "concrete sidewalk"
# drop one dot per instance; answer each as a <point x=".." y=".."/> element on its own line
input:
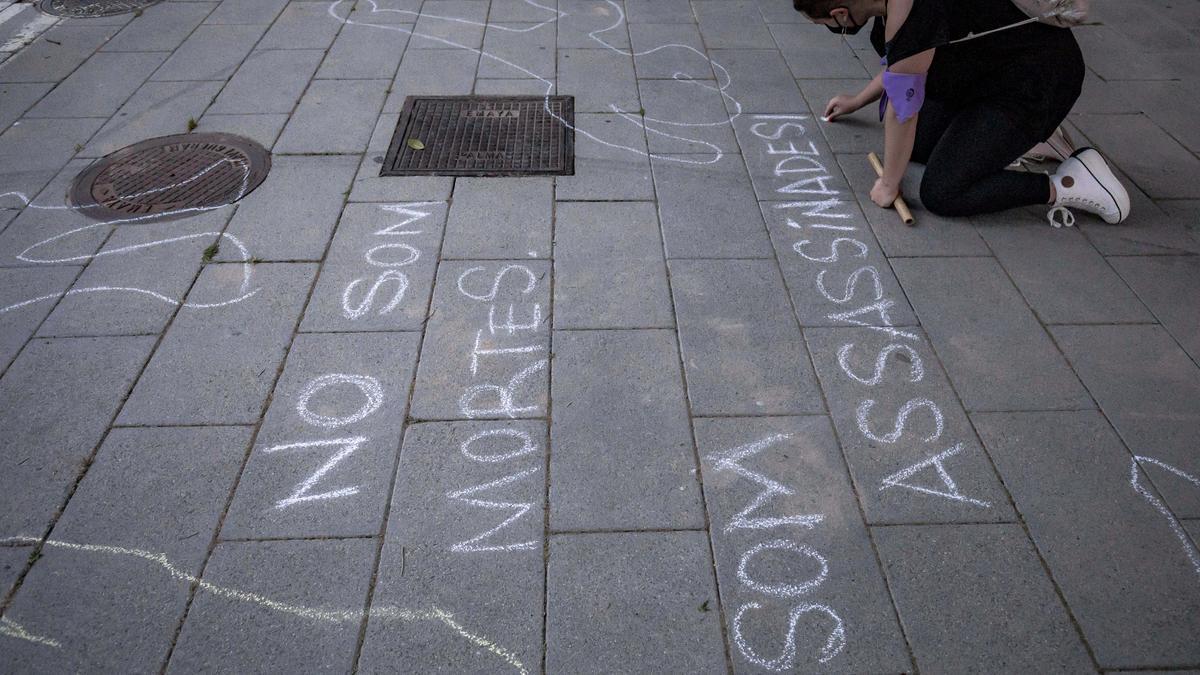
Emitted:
<point x="701" y="407"/>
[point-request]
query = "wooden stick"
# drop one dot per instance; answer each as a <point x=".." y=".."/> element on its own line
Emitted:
<point x="900" y="205"/>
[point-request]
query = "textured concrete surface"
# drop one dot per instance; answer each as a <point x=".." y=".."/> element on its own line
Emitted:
<point x="699" y="407"/>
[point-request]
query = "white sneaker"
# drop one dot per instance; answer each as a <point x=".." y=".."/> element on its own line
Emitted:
<point x="1085" y="182"/>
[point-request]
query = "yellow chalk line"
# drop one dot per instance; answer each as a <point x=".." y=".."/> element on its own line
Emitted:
<point x="330" y="616"/>
<point x="13" y="629"/>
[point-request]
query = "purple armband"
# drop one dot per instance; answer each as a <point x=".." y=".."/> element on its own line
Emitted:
<point x="905" y="91"/>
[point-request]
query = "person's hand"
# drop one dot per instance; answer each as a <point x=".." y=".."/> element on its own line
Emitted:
<point x="884" y="194"/>
<point x="842" y="104"/>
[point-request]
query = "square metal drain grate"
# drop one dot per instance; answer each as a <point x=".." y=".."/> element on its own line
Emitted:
<point x="483" y="136"/>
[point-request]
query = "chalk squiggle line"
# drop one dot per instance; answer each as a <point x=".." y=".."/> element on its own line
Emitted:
<point x="1185" y="542"/>
<point x="389" y="612"/>
<point x="247" y="268"/>
<point x="716" y="150"/>
<point x="15" y="630"/>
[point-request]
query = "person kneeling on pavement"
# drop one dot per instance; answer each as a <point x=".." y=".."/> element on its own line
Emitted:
<point x="969" y="104"/>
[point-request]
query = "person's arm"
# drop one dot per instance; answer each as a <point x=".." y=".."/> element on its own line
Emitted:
<point x="845" y="104"/>
<point x="898" y="136"/>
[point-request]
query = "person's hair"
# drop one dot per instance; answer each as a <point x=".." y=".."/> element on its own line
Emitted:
<point x="817" y="9"/>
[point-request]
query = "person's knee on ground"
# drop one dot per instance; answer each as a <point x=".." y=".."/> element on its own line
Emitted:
<point x="937" y="192"/>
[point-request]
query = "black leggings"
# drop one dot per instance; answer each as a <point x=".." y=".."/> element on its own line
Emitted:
<point x="966" y="151"/>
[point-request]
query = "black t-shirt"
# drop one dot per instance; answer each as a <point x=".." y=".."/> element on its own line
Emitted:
<point x="1033" y="72"/>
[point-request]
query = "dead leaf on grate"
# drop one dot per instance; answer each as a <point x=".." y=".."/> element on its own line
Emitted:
<point x="416" y="144"/>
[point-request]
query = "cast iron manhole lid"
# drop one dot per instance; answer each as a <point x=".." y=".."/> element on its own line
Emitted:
<point x="484" y="136"/>
<point x="86" y="9"/>
<point x="169" y="177"/>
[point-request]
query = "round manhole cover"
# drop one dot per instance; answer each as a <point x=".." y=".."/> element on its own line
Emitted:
<point x="84" y="9"/>
<point x="169" y="177"/>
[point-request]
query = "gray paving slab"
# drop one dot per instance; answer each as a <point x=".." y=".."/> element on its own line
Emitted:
<point x="608" y="592"/>
<point x="12" y="564"/>
<point x="369" y="186"/>
<point x="99" y="87"/>
<point x="450" y="24"/>
<point x="156" y="109"/>
<point x="743" y="353"/>
<point x="160" y="28"/>
<point x="323" y="459"/>
<point x="379" y="272"/>
<point x="833" y="265"/>
<point x="857" y="133"/>
<point x="17" y="97"/>
<point x="608" y="267"/>
<point x="21" y="26"/>
<point x="519" y="10"/>
<point x="800" y="31"/>
<point x="18" y="321"/>
<point x="659" y="11"/>
<point x="216" y="365"/>
<point x="976" y="594"/>
<point x="320" y="588"/>
<point x="931" y="236"/>
<point x="500" y="218"/>
<point x="234" y="12"/>
<point x="685" y="117"/>
<point x="292" y="215"/>
<point x="33" y="152"/>
<point x="388" y="12"/>
<point x="1124" y="572"/>
<point x="262" y="129"/>
<point x="514" y="88"/>
<point x="486" y="348"/>
<point x="1163" y="102"/>
<point x="908" y="443"/>
<point x="1157" y="163"/>
<point x="364" y="52"/>
<point x="43" y="235"/>
<point x="1060" y="274"/>
<point x="114" y="609"/>
<point x="1154" y="231"/>
<point x="732" y="25"/>
<point x="335" y="116"/>
<point x="465" y="538"/>
<point x="137" y="278"/>
<point x="611" y="162"/>
<point x="593" y="24"/>
<point x="59" y="397"/>
<point x="1114" y="56"/>
<point x="808" y="61"/>
<point x="622" y="448"/>
<point x="211" y="52"/>
<point x="1165" y="284"/>
<point x="997" y="354"/>
<point x="759" y="81"/>
<point x="306" y="25"/>
<point x="601" y="80"/>
<point x="528" y="46"/>
<point x="56" y="53"/>
<point x="775" y="12"/>
<point x="1148" y="388"/>
<point x="788" y="159"/>
<point x="789" y="542"/>
<point x="660" y="51"/>
<point x="268" y="81"/>
<point x="707" y="208"/>
<point x="432" y="73"/>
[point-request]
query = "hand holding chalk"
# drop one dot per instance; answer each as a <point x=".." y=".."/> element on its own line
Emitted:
<point x="900" y="205"/>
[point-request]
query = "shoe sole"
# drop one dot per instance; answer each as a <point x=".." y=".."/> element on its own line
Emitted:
<point x="1094" y="162"/>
